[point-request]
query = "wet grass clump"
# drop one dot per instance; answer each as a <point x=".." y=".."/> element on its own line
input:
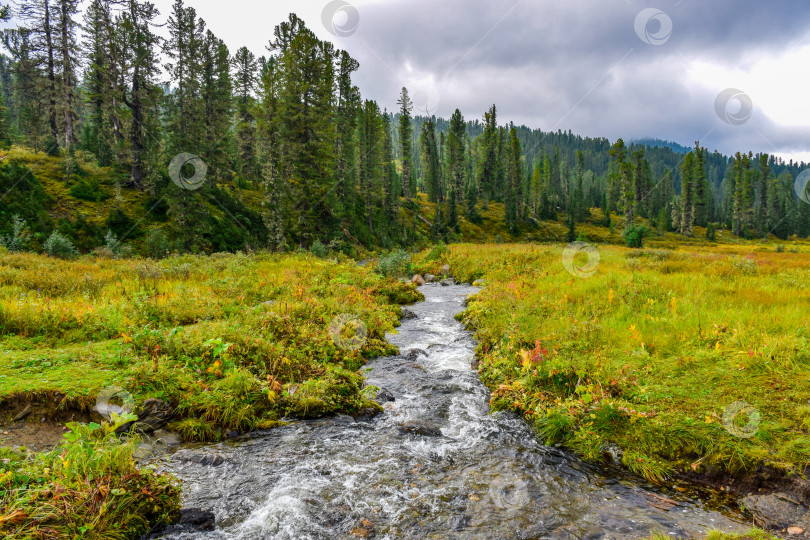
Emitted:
<point x="87" y="487"/>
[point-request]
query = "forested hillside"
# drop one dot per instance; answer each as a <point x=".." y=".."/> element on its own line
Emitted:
<point x="115" y="136"/>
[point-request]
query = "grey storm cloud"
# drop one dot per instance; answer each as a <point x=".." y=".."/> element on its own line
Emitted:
<point x="579" y="65"/>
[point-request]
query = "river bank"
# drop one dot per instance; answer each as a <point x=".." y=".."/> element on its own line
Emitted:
<point x="686" y="364"/>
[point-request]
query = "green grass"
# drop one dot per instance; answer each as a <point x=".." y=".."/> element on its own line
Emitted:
<point x="88" y="487"/>
<point x="650" y="351"/>
<point x="232" y="342"/>
<point x="195" y="331"/>
<point x="753" y="534"/>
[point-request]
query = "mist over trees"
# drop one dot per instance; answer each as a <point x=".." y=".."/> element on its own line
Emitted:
<point x="296" y="155"/>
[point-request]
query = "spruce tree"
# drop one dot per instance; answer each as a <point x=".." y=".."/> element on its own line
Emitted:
<point x="245" y="81"/>
<point x="687" y="218"/>
<point x="456" y="143"/>
<point x="489" y="157"/>
<point x="405" y="131"/>
<point x="623" y="180"/>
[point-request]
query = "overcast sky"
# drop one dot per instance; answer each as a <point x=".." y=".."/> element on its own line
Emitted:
<point x="612" y="68"/>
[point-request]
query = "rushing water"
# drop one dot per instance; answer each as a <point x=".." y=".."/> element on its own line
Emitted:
<point x="435" y="464"/>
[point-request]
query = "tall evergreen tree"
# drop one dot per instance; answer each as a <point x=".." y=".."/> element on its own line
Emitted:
<point x="622" y="178"/>
<point x="140" y="92"/>
<point x="456" y="143"/>
<point x="489" y="157"/>
<point x="405" y="144"/>
<point x="514" y="178"/>
<point x="431" y="164"/>
<point x="688" y="179"/>
<point x="245" y="81"/>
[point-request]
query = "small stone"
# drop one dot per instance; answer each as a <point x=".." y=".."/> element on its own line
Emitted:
<point x="419" y="280"/>
<point x="459" y="522"/>
<point x="795" y="531"/>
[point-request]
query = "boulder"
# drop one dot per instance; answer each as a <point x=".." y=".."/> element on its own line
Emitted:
<point x="445" y="271"/>
<point x="418" y="280"/>
<point x="446" y="282"/>
<point x="777" y="510"/>
<point x="430" y="278"/>
<point x="154" y="414"/>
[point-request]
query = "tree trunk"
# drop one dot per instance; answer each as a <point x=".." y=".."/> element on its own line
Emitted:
<point x="54" y="145"/>
<point x="67" y="72"/>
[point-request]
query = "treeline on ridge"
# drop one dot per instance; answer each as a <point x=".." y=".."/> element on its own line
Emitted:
<point x="295" y="155"/>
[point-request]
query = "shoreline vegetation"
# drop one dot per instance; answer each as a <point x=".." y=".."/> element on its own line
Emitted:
<point x="674" y="363"/>
<point x="228" y="343"/>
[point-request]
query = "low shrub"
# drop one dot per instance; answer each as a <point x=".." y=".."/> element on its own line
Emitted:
<point x="395" y="264"/>
<point x="59" y="246"/>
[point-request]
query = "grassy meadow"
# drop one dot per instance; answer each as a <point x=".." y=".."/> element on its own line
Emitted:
<point x="653" y="354"/>
<point x="232" y="342"/>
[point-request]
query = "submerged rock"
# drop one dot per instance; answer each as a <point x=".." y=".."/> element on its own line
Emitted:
<point x="413" y="354"/>
<point x="407" y="314"/>
<point x="208" y="460"/>
<point x="459" y="522"/>
<point x="420" y="427"/>
<point x="384" y="396"/>
<point x="191" y="520"/>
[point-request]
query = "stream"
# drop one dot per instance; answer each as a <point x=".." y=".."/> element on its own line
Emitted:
<point x="435" y="464"/>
